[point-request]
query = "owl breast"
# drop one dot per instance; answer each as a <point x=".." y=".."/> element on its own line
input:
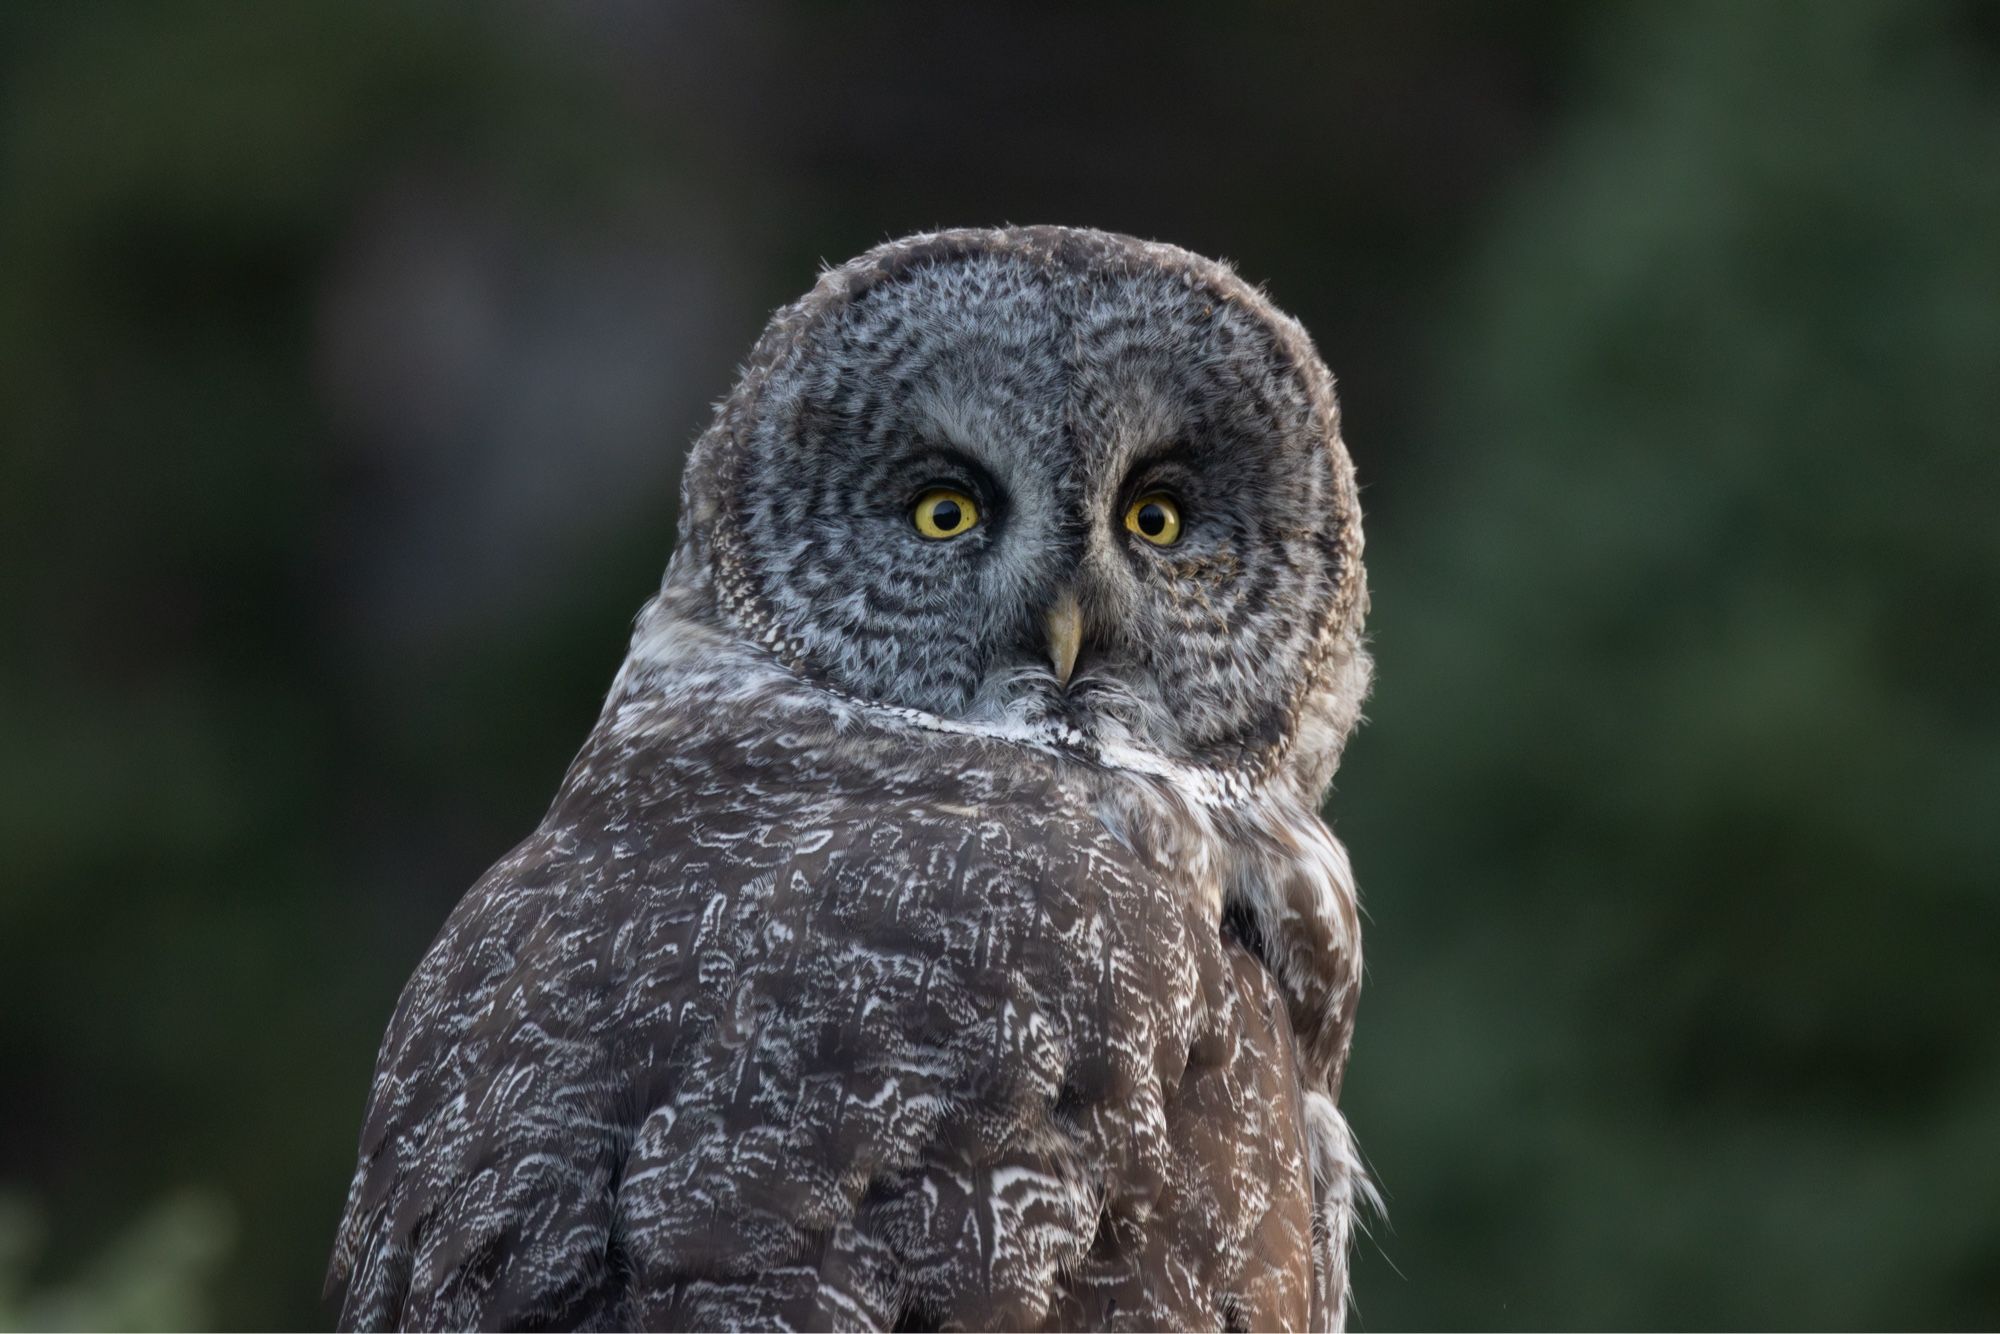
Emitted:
<point x="829" y="1024"/>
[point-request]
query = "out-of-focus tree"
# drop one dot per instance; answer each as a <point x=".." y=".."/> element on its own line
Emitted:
<point x="1678" y="815"/>
<point x="159" y="1273"/>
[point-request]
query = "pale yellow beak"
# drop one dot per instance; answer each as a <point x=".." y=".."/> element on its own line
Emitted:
<point x="1065" y="636"/>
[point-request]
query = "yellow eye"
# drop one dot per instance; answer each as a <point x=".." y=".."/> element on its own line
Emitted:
<point x="1156" y="518"/>
<point x="943" y="513"/>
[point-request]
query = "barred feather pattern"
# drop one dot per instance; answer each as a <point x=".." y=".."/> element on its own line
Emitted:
<point x="811" y="1007"/>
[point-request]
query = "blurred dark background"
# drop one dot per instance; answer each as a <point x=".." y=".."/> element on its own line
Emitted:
<point x="348" y="355"/>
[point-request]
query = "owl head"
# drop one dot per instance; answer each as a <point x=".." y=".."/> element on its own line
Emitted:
<point x="1048" y="479"/>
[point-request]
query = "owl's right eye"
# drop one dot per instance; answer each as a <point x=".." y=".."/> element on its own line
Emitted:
<point x="943" y="513"/>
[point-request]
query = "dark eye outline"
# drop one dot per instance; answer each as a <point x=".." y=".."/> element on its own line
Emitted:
<point x="933" y="495"/>
<point x="1176" y="519"/>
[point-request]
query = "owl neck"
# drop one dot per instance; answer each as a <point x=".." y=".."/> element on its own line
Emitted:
<point x="681" y="652"/>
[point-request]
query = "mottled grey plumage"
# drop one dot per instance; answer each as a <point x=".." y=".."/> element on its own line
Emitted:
<point x="865" y="973"/>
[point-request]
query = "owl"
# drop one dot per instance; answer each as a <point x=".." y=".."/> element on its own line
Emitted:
<point x="937" y="928"/>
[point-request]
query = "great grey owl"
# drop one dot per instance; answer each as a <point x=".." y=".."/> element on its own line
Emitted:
<point x="938" y="927"/>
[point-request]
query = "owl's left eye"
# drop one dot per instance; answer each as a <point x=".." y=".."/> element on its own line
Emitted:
<point x="942" y="513"/>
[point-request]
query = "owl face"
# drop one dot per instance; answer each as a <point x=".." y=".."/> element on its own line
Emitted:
<point x="1049" y="477"/>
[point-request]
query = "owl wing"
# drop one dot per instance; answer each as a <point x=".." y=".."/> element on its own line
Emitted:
<point x="881" y="1061"/>
<point x="489" y="1148"/>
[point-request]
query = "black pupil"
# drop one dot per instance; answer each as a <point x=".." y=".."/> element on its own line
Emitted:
<point x="1152" y="519"/>
<point x="945" y="514"/>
